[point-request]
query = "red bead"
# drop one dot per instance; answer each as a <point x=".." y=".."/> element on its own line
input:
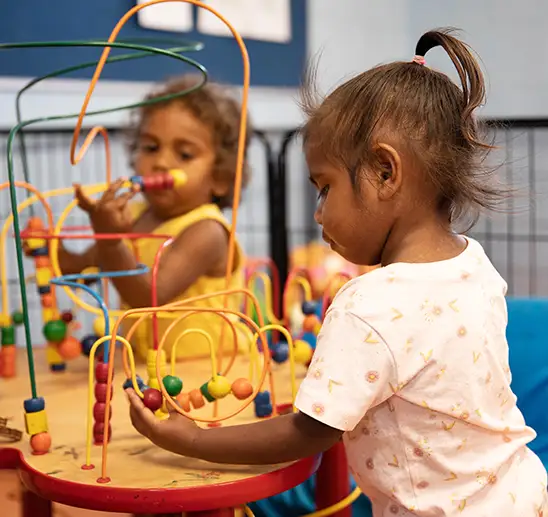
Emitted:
<point x="101" y="392"/>
<point x="152" y="399"/>
<point x="154" y="182"/>
<point x="168" y="181"/>
<point x="67" y="316"/>
<point x="99" y="432"/>
<point x="99" y="412"/>
<point x="101" y="372"/>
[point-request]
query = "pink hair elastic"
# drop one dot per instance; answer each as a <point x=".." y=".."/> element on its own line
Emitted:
<point x="419" y="60"/>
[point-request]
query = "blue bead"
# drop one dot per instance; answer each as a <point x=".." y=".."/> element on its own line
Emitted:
<point x="40" y="252"/>
<point x="137" y="180"/>
<point x="309" y="308"/>
<point x="34" y="405"/>
<point x="44" y="289"/>
<point x="280" y="353"/>
<point x="310" y="338"/>
<point x="263" y="397"/>
<point x="87" y="343"/>
<point x="129" y="383"/>
<point x="263" y="410"/>
<point x="59" y="367"/>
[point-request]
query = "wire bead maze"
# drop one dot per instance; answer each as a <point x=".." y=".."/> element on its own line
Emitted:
<point x="280" y="339"/>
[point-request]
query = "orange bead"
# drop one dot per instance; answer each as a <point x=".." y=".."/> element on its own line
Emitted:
<point x="69" y="348"/>
<point x="242" y="389"/>
<point x="35" y="223"/>
<point x="8" y="361"/>
<point x="309" y="323"/>
<point x="40" y="443"/>
<point x="41" y="262"/>
<point x="197" y="399"/>
<point x="46" y="300"/>
<point x="184" y="401"/>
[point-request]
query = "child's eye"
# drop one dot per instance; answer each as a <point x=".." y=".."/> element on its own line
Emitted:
<point x="148" y="148"/>
<point x="323" y="192"/>
<point x="186" y="156"/>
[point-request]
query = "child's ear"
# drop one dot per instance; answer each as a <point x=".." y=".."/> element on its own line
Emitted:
<point x="390" y="173"/>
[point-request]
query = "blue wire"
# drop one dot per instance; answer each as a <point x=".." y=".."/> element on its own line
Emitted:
<point x="69" y="281"/>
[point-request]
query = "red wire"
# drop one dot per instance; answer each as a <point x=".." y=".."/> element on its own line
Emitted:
<point x="98" y="236"/>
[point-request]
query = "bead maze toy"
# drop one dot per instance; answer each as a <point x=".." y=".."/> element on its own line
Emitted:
<point x="269" y="338"/>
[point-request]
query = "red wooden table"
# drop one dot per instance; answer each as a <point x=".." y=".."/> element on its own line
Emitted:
<point x="144" y="479"/>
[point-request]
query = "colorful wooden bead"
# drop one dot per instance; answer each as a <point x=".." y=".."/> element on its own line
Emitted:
<point x="242" y="389"/>
<point x="43" y="276"/>
<point x="55" y="331"/>
<point x="40" y="252"/>
<point x="67" y="316"/>
<point x="218" y="387"/>
<point x="99" y="411"/>
<point x="34" y="224"/>
<point x="99" y="326"/>
<point x="42" y="262"/>
<point x="101" y="392"/>
<point x="8" y="335"/>
<point x="183" y="399"/>
<point x="57" y="367"/>
<point x="263" y="404"/>
<point x="152" y="399"/>
<point x="129" y="383"/>
<point x="44" y="289"/>
<point x="196" y="399"/>
<point x="35" y="243"/>
<point x="99" y="432"/>
<point x="173" y="385"/>
<point x="40" y="443"/>
<point x="309" y="307"/>
<point x="204" y="389"/>
<point x="70" y="348"/>
<point x="179" y="178"/>
<point x="309" y="323"/>
<point x="36" y="422"/>
<point x="5" y="320"/>
<point x="8" y="357"/>
<point x="280" y="352"/>
<point x="17" y="318"/>
<point x="34" y="405"/>
<point x="302" y="352"/>
<point x="47" y="314"/>
<point x="101" y="372"/>
<point x="87" y="342"/>
<point x="46" y="300"/>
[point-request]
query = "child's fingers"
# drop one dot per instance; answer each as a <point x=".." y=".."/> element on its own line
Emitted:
<point x="124" y="198"/>
<point x="110" y="192"/>
<point x="84" y="202"/>
<point x="141" y="417"/>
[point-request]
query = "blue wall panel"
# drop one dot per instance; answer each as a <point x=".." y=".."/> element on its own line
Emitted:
<point x="272" y="64"/>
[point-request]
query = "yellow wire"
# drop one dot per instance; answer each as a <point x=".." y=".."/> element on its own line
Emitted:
<point x="267" y="283"/>
<point x="211" y="350"/>
<point x="91" y="371"/>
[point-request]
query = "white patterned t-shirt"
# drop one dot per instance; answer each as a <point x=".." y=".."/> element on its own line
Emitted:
<point x="412" y="364"/>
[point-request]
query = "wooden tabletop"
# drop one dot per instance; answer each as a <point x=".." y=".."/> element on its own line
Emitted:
<point x="143" y="477"/>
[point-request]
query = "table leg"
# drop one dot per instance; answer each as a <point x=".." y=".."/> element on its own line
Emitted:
<point x="333" y="480"/>
<point x="33" y="505"/>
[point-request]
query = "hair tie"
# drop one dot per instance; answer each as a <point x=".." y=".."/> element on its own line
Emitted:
<point x="419" y="60"/>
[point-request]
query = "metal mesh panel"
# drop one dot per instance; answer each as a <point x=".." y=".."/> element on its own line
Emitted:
<point x="515" y="240"/>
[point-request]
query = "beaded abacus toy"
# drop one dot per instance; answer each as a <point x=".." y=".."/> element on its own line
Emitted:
<point x="162" y="390"/>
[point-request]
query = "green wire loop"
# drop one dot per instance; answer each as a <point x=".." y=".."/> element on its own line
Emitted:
<point x="134" y="44"/>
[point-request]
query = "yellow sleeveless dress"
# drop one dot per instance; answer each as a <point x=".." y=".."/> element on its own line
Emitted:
<point x="192" y="344"/>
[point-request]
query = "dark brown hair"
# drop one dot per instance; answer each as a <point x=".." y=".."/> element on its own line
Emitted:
<point x="428" y="112"/>
<point x="214" y="107"/>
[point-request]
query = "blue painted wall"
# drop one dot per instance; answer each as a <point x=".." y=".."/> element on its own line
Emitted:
<point x="272" y="64"/>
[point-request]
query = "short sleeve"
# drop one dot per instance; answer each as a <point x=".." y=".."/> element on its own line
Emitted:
<point x="352" y="370"/>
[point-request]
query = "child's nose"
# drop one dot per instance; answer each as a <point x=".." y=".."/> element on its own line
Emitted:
<point x="318" y="214"/>
<point x="163" y="162"/>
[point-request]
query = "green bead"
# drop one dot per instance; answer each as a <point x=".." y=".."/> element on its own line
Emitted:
<point x="55" y="331"/>
<point x="17" y="318"/>
<point x="8" y="335"/>
<point x="173" y="385"/>
<point x="205" y="392"/>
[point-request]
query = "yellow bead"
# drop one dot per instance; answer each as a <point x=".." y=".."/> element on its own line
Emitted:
<point x="5" y="320"/>
<point x="99" y="325"/>
<point x="179" y="178"/>
<point x="34" y="243"/>
<point x="53" y="356"/>
<point x="36" y="422"/>
<point x="151" y="366"/>
<point x="47" y="314"/>
<point x="219" y="387"/>
<point x="302" y="351"/>
<point x="43" y="276"/>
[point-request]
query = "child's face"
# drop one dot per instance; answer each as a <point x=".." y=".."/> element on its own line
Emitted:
<point x="355" y="222"/>
<point x="171" y="137"/>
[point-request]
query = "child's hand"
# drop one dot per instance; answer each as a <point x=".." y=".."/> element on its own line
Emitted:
<point x="110" y="214"/>
<point x="175" y="434"/>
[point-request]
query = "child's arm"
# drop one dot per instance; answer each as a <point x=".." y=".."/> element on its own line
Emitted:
<point x="195" y="252"/>
<point x="73" y="263"/>
<point x="277" y="440"/>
